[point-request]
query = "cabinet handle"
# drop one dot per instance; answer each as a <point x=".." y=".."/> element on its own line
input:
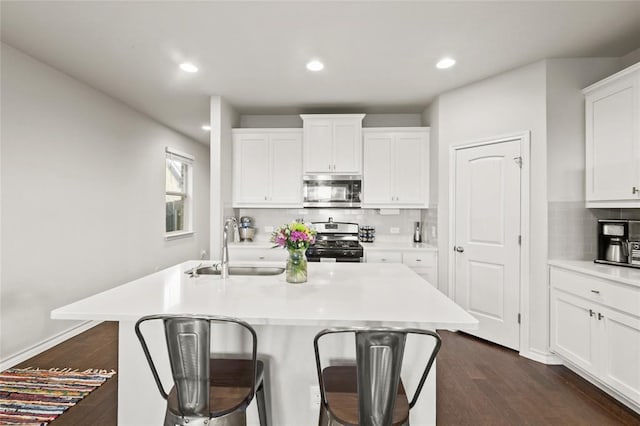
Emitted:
<point x="591" y="313"/>
<point x="329" y="166"/>
<point x="459" y="249"/>
<point x="383" y="260"/>
<point x="595" y="291"/>
<point x="634" y="190"/>
<point x="418" y="260"/>
<point x="261" y="257"/>
<point x="600" y="316"/>
<point x="265" y="198"/>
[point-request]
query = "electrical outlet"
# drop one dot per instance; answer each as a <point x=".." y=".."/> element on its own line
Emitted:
<point x="394" y="230"/>
<point x="314" y="397"/>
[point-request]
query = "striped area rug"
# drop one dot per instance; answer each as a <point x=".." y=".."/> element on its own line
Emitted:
<point x="31" y="396"/>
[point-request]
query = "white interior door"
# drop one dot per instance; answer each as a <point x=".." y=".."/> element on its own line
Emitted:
<point x="486" y="238"/>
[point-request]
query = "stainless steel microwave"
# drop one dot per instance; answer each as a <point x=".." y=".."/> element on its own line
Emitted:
<point x="342" y="191"/>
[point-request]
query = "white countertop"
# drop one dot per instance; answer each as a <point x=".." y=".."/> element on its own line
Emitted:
<point x="620" y="274"/>
<point x="336" y="294"/>
<point x="398" y="245"/>
<point x="377" y="245"/>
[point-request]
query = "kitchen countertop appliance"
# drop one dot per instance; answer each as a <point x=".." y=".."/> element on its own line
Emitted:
<point x="335" y="242"/>
<point x="619" y="242"/>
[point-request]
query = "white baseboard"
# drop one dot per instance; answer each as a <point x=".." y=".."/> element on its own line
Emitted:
<point x="46" y="344"/>
<point x="542" y="357"/>
<point x="604" y="387"/>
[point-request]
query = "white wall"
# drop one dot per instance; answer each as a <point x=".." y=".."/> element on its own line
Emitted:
<point x="508" y="103"/>
<point x="223" y="119"/>
<point x="82" y="197"/>
<point x="566" y="122"/>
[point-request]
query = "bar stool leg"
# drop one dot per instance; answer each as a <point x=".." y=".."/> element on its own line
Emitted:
<point x="262" y="404"/>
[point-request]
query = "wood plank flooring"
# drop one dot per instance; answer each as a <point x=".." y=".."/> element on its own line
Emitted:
<point x="479" y="383"/>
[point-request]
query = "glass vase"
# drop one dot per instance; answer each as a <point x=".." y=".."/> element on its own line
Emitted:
<point x="297" y="266"/>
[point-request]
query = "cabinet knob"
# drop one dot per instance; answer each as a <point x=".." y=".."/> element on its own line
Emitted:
<point x="265" y="198"/>
<point x="459" y="249"/>
<point x="595" y="291"/>
<point x="634" y="190"/>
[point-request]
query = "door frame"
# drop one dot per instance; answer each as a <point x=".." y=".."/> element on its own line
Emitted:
<point x="525" y="246"/>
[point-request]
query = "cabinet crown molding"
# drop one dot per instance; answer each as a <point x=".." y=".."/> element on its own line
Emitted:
<point x="332" y="116"/>
<point x="620" y="74"/>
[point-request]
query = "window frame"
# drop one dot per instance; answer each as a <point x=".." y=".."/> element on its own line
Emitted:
<point x="188" y="160"/>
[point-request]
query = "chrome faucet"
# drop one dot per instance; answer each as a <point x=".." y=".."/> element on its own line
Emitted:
<point x="224" y="271"/>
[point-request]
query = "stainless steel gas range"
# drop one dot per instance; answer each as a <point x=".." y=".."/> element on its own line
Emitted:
<point x="335" y="242"/>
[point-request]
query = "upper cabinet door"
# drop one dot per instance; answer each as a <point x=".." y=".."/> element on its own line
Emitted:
<point x="347" y="146"/>
<point x="318" y="146"/>
<point x="286" y="168"/>
<point x="332" y="144"/>
<point x="250" y="168"/>
<point x="613" y="141"/>
<point x="396" y="167"/>
<point x="377" y="185"/>
<point x="411" y="168"/>
<point x="267" y="169"/>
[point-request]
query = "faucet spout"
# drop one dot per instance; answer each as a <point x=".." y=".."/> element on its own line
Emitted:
<point x="224" y="266"/>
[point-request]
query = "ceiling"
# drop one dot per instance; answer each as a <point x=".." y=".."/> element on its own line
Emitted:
<point x="379" y="56"/>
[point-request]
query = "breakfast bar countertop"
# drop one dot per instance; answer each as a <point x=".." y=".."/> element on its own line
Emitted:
<point x="335" y="294"/>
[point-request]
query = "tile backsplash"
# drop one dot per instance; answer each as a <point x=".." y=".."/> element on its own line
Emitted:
<point x="573" y="229"/>
<point x="400" y="220"/>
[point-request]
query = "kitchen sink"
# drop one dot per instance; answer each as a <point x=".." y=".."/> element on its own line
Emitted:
<point x="239" y="270"/>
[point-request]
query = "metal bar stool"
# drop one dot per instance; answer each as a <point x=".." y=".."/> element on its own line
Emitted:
<point x="205" y="388"/>
<point x="370" y="393"/>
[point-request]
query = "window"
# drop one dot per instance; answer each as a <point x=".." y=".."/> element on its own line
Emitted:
<point x="178" y="193"/>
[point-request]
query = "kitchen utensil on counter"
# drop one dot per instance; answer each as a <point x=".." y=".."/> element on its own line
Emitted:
<point x="417" y="233"/>
<point x="617" y="250"/>
<point x="246" y="222"/>
<point x="367" y="233"/>
<point x="246" y="234"/>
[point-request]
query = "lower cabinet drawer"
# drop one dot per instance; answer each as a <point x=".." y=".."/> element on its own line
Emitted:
<point x="257" y="254"/>
<point x="384" y="257"/>
<point x="616" y="295"/>
<point x="419" y="259"/>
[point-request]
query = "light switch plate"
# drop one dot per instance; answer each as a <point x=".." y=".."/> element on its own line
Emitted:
<point x="394" y="230"/>
<point x="268" y="229"/>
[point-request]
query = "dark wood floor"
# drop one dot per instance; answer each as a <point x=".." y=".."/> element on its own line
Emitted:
<point x="478" y="384"/>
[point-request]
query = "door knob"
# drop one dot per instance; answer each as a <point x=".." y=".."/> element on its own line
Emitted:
<point x="459" y="249"/>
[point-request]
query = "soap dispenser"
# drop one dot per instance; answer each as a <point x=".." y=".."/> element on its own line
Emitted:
<point x="417" y="234"/>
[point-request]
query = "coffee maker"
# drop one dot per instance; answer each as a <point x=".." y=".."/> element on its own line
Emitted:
<point x="613" y="242"/>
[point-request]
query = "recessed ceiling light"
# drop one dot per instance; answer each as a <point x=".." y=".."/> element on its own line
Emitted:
<point x="206" y="127"/>
<point x="315" y="65"/>
<point x="445" y="63"/>
<point x="188" y="67"/>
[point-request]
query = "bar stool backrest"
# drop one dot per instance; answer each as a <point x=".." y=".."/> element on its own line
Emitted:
<point x="379" y="354"/>
<point x="379" y="361"/>
<point x="188" y="342"/>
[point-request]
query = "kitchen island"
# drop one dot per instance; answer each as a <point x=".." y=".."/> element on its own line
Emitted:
<point x="286" y="318"/>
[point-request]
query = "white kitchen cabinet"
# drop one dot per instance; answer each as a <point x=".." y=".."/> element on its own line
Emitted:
<point x="332" y="143"/>
<point x="396" y="167"/>
<point x="422" y="262"/>
<point x="380" y="256"/>
<point x="256" y="254"/>
<point x="612" y="161"/>
<point x="267" y="168"/>
<point x="595" y="326"/>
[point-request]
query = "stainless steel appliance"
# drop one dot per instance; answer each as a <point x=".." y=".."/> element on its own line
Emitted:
<point x="341" y="191"/>
<point x="335" y="242"/>
<point x="619" y="242"/>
